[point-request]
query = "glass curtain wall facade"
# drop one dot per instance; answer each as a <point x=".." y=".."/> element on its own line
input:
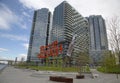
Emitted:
<point x="39" y="33"/>
<point x="67" y="22"/>
<point x="98" y="37"/>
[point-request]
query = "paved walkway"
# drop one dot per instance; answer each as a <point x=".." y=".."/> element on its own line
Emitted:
<point x="13" y="75"/>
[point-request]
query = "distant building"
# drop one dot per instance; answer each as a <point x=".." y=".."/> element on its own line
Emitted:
<point x="68" y="23"/>
<point x="98" y="37"/>
<point x="39" y="33"/>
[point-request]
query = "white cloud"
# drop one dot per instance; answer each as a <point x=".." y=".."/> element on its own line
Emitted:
<point x="20" y="56"/>
<point x="7" y="17"/>
<point x="85" y="7"/>
<point x="37" y="4"/>
<point x="24" y="26"/>
<point x="1" y="57"/>
<point x="14" y="37"/>
<point x="3" y="50"/>
<point x="26" y="14"/>
<point x="25" y="45"/>
<point x="33" y="4"/>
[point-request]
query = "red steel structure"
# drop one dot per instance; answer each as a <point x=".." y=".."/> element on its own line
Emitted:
<point x="53" y="49"/>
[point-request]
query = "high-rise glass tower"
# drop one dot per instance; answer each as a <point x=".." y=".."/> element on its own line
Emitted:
<point x="98" y="37"/>
<point x="39" y="33"/>
<point x="69" y="26"/>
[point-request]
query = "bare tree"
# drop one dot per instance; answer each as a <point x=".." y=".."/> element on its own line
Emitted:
<point x="109" y="60"/>
<point x="114" y="35"/>
<point x="82" y="60"/>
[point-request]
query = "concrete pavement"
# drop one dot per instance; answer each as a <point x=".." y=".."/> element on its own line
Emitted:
<point x="13" y="75"/>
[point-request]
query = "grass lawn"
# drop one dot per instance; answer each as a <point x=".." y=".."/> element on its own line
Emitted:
<point x="53" y="68"/>
<point x="109" y="70"/>
<point x="47" y="68"/>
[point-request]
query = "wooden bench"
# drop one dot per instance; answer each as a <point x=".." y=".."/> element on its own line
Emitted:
<point x="80" y="76"/>
<point x="61" y="79"/>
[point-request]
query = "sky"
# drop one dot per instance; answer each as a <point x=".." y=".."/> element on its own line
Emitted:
<point x="16" y="20"/>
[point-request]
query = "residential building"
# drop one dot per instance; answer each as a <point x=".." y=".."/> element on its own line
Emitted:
<point x="69" y="27"/>
<point x="39" y="33"/>
<point x="98" y="37"/>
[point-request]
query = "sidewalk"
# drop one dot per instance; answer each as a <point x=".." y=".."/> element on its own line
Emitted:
<point x="13" y="75"/>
